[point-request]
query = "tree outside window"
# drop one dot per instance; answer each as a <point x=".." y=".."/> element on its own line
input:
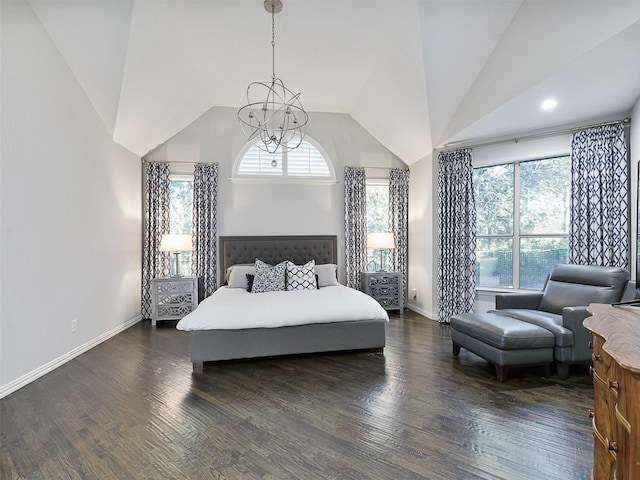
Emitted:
<point x="181" y="216"/>
<point x="523" y="221"/>
<point x="377" y="220"/>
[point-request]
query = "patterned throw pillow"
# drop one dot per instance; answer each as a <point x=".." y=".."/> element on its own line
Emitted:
<point x="268" y="278"/>
<point x="301" y="277"/>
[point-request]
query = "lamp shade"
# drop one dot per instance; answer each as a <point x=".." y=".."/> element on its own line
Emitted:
<point x="380" y="240"/>
<point x="176" y="243"/>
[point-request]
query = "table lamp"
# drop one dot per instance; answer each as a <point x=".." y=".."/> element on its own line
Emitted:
<point x="381" y="241"/>
<point x="176" y="243"/>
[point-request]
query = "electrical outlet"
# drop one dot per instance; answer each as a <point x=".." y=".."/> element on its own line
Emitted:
<point x="74" y="325"/>
<point x="414" y="293"/>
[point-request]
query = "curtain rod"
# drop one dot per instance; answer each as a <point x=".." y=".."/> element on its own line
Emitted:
<point x="384" y="168"/>
<point x="461" y="144"/>
<point x="143" y="160"/>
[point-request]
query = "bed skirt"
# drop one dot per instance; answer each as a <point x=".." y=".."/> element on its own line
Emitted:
<point x="214" y="345"/>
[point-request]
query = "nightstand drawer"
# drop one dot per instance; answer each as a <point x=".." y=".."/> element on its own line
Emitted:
<point x="173" y="297"/>
<point x="385" y="287"/>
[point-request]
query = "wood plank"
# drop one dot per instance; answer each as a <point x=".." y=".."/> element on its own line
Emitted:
<point x="133" y="408"/>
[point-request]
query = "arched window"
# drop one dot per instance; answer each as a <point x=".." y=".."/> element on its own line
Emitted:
<point x="308" y="162"/>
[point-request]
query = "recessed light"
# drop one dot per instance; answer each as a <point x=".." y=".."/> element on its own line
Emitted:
<point x="549" y="104"/>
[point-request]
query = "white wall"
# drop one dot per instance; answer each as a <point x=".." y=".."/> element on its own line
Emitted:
<point x="423" y="206"/>
<point x="281" y="208"/>
<point x="70" y="212"/>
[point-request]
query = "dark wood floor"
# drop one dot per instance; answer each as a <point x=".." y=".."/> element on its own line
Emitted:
<point x="132" y="408"/>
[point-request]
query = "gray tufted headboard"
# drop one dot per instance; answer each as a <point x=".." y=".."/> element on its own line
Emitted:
<point x="275" y="249"/>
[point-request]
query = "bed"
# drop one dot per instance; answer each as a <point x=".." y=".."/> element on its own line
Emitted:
<point x="216" y="344"/>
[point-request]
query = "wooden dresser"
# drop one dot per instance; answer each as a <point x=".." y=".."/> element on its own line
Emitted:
<point x="616" y="387"/>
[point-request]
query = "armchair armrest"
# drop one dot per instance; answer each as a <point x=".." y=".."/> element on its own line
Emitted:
<point x="529" y="301"/>
<point x="572" y="318"/>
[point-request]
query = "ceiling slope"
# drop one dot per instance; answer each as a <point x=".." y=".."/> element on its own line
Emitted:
<point x="416" y="74"/>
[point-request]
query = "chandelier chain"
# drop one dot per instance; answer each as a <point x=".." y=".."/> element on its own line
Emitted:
<point x="273" y="41"/>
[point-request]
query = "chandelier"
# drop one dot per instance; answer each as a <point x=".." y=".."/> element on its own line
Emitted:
<point x="269" y="111"/>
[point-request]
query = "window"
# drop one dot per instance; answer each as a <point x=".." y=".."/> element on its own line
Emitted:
<point x="308" y="161"/>
<point x="523" y="221"/>
<point x="377" y="220"/>
<point x="181" y="215"/>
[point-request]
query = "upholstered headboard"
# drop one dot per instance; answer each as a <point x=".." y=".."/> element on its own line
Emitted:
<point x="275" y="249"/>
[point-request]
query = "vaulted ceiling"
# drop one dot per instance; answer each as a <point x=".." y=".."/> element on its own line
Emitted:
<point x="416" y="74"/>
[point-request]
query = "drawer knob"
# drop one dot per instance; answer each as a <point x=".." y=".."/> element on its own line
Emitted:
<point x="591" y="413"/>
<point x="613" y="446"/>
<point x="596" y="358"/>
<point x="613" y="384"/>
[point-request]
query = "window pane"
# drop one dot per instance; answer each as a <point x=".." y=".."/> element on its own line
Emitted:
<point x="181" y="220"/>
<point x="181" y="206"/>
<point x="258" y="162"/>
<point x="377" y="221"/>
<point x="538" y="256"/>
<point x="545" y="195"/>
<point x="495" y="262"/>
<point x="494" y="199"/>
<point x="307" y="161"/>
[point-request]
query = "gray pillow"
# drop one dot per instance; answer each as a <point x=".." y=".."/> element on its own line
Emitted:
<point x="326" y="274"/>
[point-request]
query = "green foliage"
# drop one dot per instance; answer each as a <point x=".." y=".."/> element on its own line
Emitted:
<point x="543" y="202"/>
<point x="181" y="206"/>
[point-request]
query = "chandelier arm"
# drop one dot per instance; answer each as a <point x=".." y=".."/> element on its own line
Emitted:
<point x="272" y="112"/>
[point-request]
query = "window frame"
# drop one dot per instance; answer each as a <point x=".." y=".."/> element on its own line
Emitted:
<point x="284" y="177"/>
<point x="516" y="236"/>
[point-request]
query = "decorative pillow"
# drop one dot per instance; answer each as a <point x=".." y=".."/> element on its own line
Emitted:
<point x="268" y="278"/>
<point x="327" y="274"/>
<point x="301" y="277"/>
<point x="250" y="279"/>
<point x="237" y="277"/>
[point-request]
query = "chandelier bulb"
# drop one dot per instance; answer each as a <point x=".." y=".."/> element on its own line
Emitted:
<point x="274" y="163"/>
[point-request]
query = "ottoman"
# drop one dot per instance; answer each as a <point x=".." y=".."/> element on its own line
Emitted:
<point x="503" y="341"/>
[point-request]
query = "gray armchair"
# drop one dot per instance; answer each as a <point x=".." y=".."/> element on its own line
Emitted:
<point x="562" y="306"/>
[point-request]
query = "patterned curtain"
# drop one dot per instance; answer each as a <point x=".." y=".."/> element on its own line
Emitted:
<point x="355" y="224"/>
<point x="457" y="234"/>
<point x="599" y="198"/>
<point x="399" y="222"/>
<point x="205" y="240"/>
<point x="156" y="222"/>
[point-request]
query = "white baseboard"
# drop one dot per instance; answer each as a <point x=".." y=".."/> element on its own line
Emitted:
<point x="48" y="367"/>
<point x="421" y="311"/>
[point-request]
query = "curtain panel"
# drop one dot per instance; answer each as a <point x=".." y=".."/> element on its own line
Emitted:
<point x="355" y="224"/>
<point x="205" y="239"/>
<point x="456" y="234"/>
<point x="399" y="223"/>
<point x="156" y="222"/>
<point x="598" y="233"/>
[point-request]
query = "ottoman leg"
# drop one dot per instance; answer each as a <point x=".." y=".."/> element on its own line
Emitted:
<point x="456" y="349"/>
<point x="501" y="373"/>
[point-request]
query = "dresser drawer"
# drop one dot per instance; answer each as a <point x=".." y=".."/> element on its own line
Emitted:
<point x="604" y="458"/>
<point x="604" y="401"/>
<point x="602" y="362"/>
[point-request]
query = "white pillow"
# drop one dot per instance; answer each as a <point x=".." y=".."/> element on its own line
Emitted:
<point x="327" y="274"/>
<point x="268" y="278"/>
<point x="301" y="277"/>
<point x="237" y="277"/>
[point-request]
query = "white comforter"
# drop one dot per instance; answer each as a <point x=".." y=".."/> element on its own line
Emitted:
<point x="235" y="308"/>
